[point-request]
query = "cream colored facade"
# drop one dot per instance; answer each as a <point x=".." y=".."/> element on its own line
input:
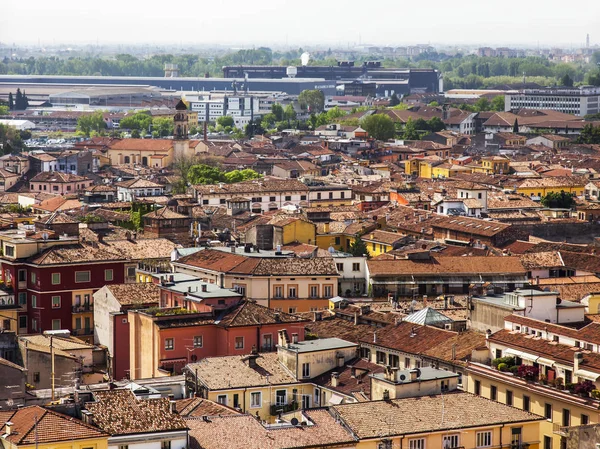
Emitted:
<point x="565" y="409"/>
<point x="289" y="294"/>
<point x="466" y="437"/>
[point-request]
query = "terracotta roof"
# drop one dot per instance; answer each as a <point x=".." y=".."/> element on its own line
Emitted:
<point x="139" y="183"/>
<point x="554" y="181"/>
<point x="340" y="328"/>
<point x="353" y="377"/>
<point x="254" y="186"/>
<point x="249" y="313"/>
<point x="51" y="427"/>
<point x="219" y="373"/>
<point x="56" y="176"/>
<point x="194" y="407"/>
<point x="165" y="213"/>
<point x="10" y="364"/>
<point x="163" y="145"/>
<point x="447" y="265"/>
<point x="139" y="293"/>
<point x="424" y="414"/>
<point x="548" y="349"/>
<point x="472" y="226"/>
<point x="409" y="337"/>
<point x="462" y="344"/>
<point x="383" y="236"/>
<point x="547" y="259"/>
<point x="228" y="432"/>
<point x="581" y="262"/>
<point x="119" y="412"/>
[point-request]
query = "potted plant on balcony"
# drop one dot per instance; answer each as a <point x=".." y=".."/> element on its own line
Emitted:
<point x="584" y="388"/>
<point x="528" y="372"/>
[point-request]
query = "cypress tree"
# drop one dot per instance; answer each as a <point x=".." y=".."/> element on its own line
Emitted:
<point x="11" y="101"/>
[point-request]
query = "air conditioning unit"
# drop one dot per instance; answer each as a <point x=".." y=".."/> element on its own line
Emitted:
<point x="448" y="326"/>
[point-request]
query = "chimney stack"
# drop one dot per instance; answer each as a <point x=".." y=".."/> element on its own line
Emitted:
<point x="9" y="428"/>
<point x="335" y="378"/>
<point x="173" y="406"/>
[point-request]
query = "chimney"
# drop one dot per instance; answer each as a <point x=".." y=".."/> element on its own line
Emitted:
<point x="317" y="316"/>
<point x="294" y="338"/>
<point x="87" y="417"/>
<point x="173" y="406"/>
<point x="386" y="395"/>
<point x="9" y="428"/>
<point x="413" y="375"/>
<point x="454" y="351"/>
<point x="251" y="358"/>
<point x="100" y="237"/>
<point x="340" y="360"/>
<point x="233" y="248"/>
<point x="374" y="336"/>
<point x="326" y="228"/>
<point x="355" y="318"/>
<point x="578" y="358"/>
<point x="205" y="132"/>
<point x="335" y="378"/>
<point x="282" y="338"/>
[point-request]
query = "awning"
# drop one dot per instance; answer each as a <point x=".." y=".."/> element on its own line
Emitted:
<point x="588" y="375"/>
<point x="543" y="361"/>
<point x="522" y="355"/>
<point x="335" y="399"/>
<point x="173" y="361"/>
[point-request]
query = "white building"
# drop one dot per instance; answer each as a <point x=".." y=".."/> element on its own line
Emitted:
<point x="138" y="188"/>
<point x="571" y="100"/>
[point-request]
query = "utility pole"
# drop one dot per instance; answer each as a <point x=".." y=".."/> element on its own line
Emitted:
<point x="52" y="334"/>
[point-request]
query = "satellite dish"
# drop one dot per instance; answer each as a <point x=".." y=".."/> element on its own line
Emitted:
<point x="402" y="377"/>
<point x="294" y="421"/>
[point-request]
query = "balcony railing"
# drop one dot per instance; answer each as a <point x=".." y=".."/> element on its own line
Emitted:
<point x="283" y="408"/>
<point x="81" y="308"/>
<point x="560" y="430"/>
<point x="84" y="331"/>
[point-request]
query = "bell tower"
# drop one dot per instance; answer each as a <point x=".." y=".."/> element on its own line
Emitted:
<point x="181" y="144"/>
<point x="180" y="121"/>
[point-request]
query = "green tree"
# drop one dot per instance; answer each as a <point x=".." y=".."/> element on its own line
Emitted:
<point x="289" y="113"/>
<point x="140" y="121"/>
<point x="11" y="101"/>
<point x="205" y="174"/>
<point x="225" y="121"/>
<point x="394" y="100"/>
<point x="88" y="123"/>
<point x="410" y="130"/>
<point x="313" y="100"/>
<point x="277" y="109"/>
<point x="590" y="134"/>
<point x="163" y="126"/>
<point x="482" y="104"/>
<point x="556" y="200"/>
<point x="241" y="175"/>
<point x="497" y="103"/>
<point x="4" y="109"/>
<point x="379" y="126"/>
<point x="566" y="80"/>
<point x="254" y="128"/>
<point x="135" y="134"/>
<point x="10" y="139"/>
<point x="358" y="247"/>
<point x="268" y="121"/>
<point x="435" y="124"/>
<point x="334" y="113"/>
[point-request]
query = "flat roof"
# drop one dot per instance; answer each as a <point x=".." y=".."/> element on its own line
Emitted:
<point x="193" y="288"/>
<point x="321" y="344"/>
<point x="427" y="373"/>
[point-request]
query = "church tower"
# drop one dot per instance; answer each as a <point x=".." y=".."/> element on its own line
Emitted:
<point x="180" y="128"/>
<point x="181" y="144"/>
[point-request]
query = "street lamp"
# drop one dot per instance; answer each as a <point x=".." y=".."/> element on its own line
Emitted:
<point x="55" y="333"/>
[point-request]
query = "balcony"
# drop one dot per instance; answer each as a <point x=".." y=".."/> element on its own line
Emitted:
<point x="82" y="332"/>
<point x="82" y="308"/>
<point x="563" y="431"/>
<point x="283" y="408"/>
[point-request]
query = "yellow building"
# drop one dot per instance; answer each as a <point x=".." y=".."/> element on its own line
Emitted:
<point x="240" y="381"/>
<point x="380" y="242"/>
<point x="38" y="428"/>
<point x="433" y="167"/>
<point x="450" y="420"/>
<point x="492" y="165"/>
<point x="554" y="184"/>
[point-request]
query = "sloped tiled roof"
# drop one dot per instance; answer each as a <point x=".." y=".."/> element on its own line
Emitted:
<point x="119" y="412"/>
<point x="138" y="293"/>
<point x="51" y="427"/>
<point x="424" y="414"/>
<point x="193" y="407"/>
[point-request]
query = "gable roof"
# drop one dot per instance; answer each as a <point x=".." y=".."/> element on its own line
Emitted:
<point x="119" y="412"/>
<point x="51" y="427"/>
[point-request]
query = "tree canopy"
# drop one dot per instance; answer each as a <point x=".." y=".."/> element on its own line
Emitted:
<point x="562" y="200"/>
<point x="589" y="134"/>
<point x="358" y="247"/>
<point x="313" y="100"/>
<point x="88" y="123"/>
<point x="379" y="126"/>
<point x="206" y="174"/>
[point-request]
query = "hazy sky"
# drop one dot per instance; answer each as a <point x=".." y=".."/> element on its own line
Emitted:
<point x="272" y="22"/>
